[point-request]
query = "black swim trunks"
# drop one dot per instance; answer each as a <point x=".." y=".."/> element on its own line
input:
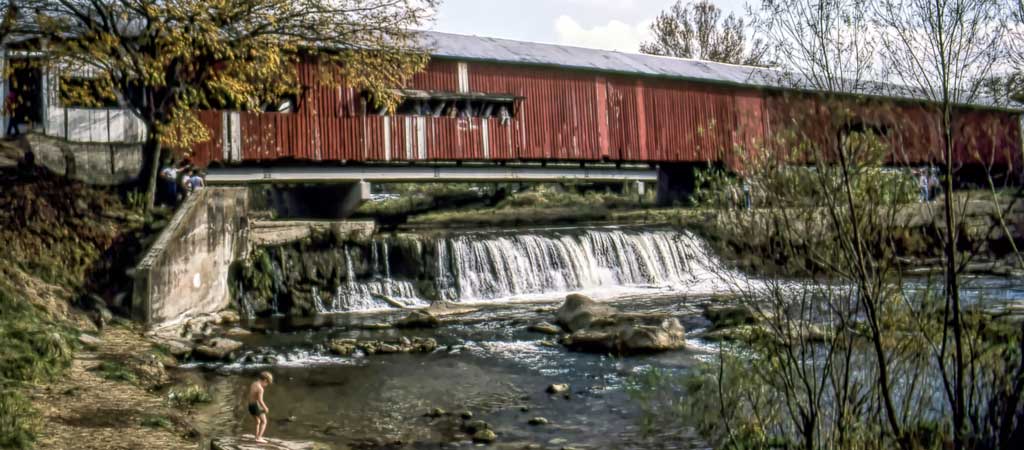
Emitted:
<point x="255" y="410"/>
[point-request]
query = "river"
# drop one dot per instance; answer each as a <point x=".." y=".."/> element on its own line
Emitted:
<point x="487" y="362"/>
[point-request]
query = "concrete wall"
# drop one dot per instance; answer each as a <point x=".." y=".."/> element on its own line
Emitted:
<point x="185" y="273"/>
<point x="270" y="233"/>
<point x="102" y="164"/>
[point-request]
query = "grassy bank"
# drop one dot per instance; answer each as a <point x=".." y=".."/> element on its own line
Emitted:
<point x="33" y="348"/>
<point x="466" y="205"/>
<point x="62" y="242"/>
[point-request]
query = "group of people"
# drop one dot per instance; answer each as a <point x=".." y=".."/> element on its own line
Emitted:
<point x="179" y="181"/>
<point x="928" y="184"/>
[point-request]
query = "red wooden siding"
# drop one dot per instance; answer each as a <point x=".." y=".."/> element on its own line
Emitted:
<point x="573" y="115"/>
<point x="212" y="149"/>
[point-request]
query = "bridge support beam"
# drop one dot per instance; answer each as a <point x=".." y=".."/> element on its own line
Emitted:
<point x="311" y="201"/>
<point x="676" y="183"/>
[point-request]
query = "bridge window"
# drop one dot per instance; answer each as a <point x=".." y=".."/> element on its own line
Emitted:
<point x="453" y="105"/>
<point x="288" y="104"/>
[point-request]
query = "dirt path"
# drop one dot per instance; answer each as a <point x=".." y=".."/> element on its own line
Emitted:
<point x="87" y="411"/>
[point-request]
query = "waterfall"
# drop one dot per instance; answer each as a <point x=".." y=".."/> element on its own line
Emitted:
<point x="499" y="266"/>
<point x="488" y="268"/>
<point x="381" y="292"/>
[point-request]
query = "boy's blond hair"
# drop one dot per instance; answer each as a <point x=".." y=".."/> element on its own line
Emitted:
<point x="267" y="376"/>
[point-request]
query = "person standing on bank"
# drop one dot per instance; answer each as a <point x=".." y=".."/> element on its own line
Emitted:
<point x="257" y="407"/>
<point x="923" y="183"/>
<point x="169" y="175"/>
<point x="11" y="110"/>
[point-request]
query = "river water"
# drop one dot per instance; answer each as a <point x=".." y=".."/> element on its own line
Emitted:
<point x="488" y="362"/>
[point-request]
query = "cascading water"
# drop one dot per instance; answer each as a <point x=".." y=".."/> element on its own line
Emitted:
<point x="377" y="293"/>
<point x="531" y="264"/>
<point x="414" y="270"/>
<point x="482" y="267"/>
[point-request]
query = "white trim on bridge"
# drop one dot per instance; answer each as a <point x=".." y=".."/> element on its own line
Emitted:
<point x="310" y="174"/>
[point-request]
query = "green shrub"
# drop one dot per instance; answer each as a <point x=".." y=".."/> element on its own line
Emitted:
<point x="191" y="395"/>
<point x="116" y="371"/>
<point x="18" y="425"/>
<point x="156" y="422"/>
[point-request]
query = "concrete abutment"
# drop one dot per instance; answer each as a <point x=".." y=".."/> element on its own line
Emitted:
<point x="186" y="272"/>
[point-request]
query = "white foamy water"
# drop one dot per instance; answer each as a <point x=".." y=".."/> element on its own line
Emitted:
<point x="605" y="261"/>
<point x="540" y="266"/>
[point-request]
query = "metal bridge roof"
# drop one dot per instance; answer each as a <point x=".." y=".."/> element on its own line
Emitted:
<point x="521" y="52"/>
<point x="457" y="46"/>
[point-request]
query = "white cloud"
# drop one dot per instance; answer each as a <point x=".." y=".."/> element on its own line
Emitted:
<point x="615" y="35"/>
<point x="610" y="4"/>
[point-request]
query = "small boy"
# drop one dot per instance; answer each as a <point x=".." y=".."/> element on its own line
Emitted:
<point x="257" y="408"/>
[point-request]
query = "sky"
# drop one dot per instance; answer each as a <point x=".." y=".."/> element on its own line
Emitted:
<point x="605" y="24"/>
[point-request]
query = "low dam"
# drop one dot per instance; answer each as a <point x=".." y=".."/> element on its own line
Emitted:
<point x="324" y="276"/>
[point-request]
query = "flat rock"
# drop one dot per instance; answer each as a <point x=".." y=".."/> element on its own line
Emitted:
<point x="579" y="312"/>
<point x="545" y="328"/>
<point x="229" y="316"/>
<point x="217" y="348"/>
<point x="89" y="340"/>
<point x="177" y="348"/>
<point x="248" y="442"/>
<point x="237" y="332"/>
<point x="419" y="319"/>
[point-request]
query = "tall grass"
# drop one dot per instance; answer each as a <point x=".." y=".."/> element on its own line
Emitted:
<point x="32" y="348"/>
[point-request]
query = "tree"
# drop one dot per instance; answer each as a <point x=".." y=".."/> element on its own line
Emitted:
<point x="696" y="30"/>
<point x="1014" y="82"/>
<point x="854" y="355"/>
<point x="945" y="49"/>
<point x="164" y="59"/>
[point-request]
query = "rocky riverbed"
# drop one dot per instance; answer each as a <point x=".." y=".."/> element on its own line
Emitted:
<point x="507" y="376"/>
<point x="480" y="375"/>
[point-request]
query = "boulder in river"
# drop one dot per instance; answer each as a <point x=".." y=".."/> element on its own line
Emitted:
<point x="580" y="312"/>
<point x="419" y="319"/>
<point x="729" y="316"/>
<point x="600" y="328"/>
<point x="475" y="426"/>
<point x="668" y="335"/>
<point x="248" y="442"/>
<point x="485" y="436"/>
<point x="545" y="328"/>
<point x="217" y="349"/>
<point x="559" y="388"/>
<point x="342" y="348"/>
<point x="347" y="347"/>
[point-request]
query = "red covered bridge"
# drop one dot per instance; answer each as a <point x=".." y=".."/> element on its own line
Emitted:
<point x="492" y="100"/>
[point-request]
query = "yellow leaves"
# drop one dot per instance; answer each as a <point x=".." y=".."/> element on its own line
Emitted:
<point x="183" y="130"/>
<point x="182" y="55"/>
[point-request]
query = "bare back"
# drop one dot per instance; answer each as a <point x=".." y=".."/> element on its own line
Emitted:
<point x="256" y="392"/>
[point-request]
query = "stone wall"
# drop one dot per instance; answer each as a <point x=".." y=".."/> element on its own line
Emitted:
<point x="185" y="273"/>
<point x="100" y="164"/>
